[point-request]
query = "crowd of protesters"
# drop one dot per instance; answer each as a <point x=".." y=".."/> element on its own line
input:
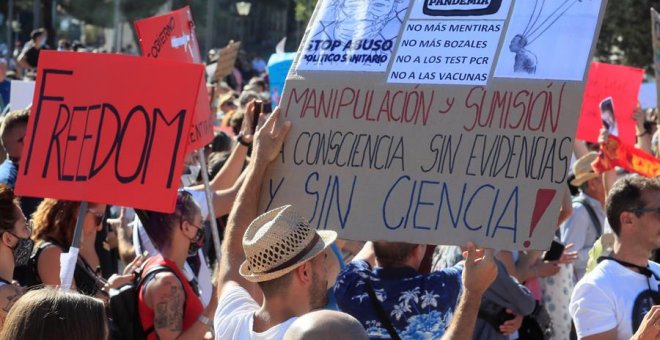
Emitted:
<point x="279" y="278"/>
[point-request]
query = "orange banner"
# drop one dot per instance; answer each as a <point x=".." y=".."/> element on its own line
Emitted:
<point x="615" y="153"/>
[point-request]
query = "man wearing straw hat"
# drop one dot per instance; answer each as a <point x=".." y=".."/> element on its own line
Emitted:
<point x="277" y="258"/>
<point x="585" y="226"/>
<point x="273" y="267"/>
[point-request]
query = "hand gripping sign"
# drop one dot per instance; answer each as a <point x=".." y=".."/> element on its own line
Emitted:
<point x="97" y="137"/>
<point x="172" y="36"/>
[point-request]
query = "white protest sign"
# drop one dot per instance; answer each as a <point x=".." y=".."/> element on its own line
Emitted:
<point x="544" y="40"/>
<point x="433" y="161"/>
<point x="459" y="49"/>
<point x="353" y="35"/>
<point x="21" y="94"/>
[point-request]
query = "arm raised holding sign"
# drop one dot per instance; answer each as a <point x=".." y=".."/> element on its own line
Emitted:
<point x="268" y="143"/>
<point x="228" y="180"/>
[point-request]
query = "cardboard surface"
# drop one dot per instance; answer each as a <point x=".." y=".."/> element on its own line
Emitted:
<point x="432" y="164"/>
<point x="171" y="36"/>
<point x="96" y="137"/>
<point x="227" y="60"/>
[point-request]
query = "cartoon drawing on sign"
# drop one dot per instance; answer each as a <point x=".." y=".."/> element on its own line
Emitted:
<point x="543" y="28"/>
<point x="525" y="59"/>
<point x="354" y="34"/>
<point x="353" y="18"/>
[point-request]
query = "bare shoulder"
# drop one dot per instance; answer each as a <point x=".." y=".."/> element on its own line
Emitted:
<point x="48" y="265"/>
<point x="50" y="251"/>
<point x="166" y="297"/>
<point x="162" y="286"/>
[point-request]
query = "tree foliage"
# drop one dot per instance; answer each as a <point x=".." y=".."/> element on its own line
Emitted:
<point x="101" y="12"/>
<point x="625" y="37"/>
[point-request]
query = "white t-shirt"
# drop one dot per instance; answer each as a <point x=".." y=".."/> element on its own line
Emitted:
<point x="604" y="298"/>
<point x="235" y="316"/>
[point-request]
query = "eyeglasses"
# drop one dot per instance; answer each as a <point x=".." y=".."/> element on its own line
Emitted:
<point x="198" y="234"/>
<point x="645" y="210"/>
<point x="98" y="217"/>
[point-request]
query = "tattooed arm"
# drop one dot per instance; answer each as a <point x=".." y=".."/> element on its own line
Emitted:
<point x="166" y="297"/>
<point x="8" y="296"/>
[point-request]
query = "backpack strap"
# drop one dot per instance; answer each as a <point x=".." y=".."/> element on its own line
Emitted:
<point x="380" y="311"/>
<point x="592" y="214"/>
<point x="144" y="279"/>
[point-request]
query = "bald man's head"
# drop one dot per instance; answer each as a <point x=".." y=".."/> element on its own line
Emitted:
<point x="326" y="325"/>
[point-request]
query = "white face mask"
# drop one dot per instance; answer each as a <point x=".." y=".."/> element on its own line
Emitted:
<point x="188" y="179"/>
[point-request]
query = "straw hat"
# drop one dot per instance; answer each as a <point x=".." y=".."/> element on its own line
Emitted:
<point x="279" y="241"/>
<point x="583" y="170"/>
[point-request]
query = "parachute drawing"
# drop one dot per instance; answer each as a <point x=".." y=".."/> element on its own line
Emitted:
<point x="526" y="60"/>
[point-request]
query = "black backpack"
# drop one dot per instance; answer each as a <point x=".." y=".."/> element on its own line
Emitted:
<point x="125" y="321"/>
<point x="536" y="326"/>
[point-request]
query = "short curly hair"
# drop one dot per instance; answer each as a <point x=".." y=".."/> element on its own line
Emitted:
<point x="56" y="220"/>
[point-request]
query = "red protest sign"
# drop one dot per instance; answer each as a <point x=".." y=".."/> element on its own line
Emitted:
<point x="172" y="36"/>
<point x="93" y="136"/>
<point x="622" y="84"/>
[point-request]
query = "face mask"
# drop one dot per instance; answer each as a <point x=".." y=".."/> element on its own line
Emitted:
<point x="191" y="177"/>
<point x="42" y="41"/>
<point x="22" y="250"/>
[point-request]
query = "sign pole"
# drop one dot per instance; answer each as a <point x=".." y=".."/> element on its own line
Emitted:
<point x="68" y="260"/>
<point x="209" y="202"/>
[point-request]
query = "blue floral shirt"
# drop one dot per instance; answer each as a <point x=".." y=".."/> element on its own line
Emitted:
<point x="420" y="306"/>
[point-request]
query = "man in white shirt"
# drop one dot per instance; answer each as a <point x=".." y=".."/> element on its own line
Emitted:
<point x="278" y="259"/>
<point x="613" y="301"/>
<point x="585" y="225"/>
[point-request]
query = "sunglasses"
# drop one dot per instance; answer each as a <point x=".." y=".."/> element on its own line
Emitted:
<point x="645" y="210"/>
<point x="98" y="217"/>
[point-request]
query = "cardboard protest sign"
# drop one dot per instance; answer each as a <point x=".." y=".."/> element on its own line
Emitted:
<point x="93" y="136"/>
<point x="438" y="161"/>
<point x="172" y="36"/>
<point x="21" y="94"/>
<point x="655" y="29"/>
<point x="226" y="60"/>
<point x="622" y="83"/>
<point x="278" y="68"/>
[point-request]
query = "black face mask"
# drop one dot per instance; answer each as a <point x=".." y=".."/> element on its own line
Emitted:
<point x="22" y="250"/>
